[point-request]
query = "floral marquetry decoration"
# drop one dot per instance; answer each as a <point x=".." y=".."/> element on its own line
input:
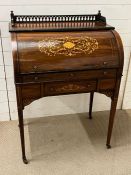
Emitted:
<point x="68" y="46"/>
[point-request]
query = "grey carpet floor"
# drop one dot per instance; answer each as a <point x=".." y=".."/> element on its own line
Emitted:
<point x="68" y="145"/>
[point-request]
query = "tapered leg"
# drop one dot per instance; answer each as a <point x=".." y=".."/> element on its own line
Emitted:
<point x="21" y="127"/>
<point x="111" y="121"/>
<point x="91" y="103"/>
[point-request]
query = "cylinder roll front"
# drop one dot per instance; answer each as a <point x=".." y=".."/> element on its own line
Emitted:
<point x="41" y="52"/>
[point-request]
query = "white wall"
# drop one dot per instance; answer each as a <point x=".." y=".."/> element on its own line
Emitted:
<point x="127" y="96"/>
<point x="118" y="14"/>
<point x="4" y="110"/>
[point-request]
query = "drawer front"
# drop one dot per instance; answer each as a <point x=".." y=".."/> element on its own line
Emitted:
<point x="107" y="84"/>
<point x="57" y="88"/>
<point x="31" y="91"/>
<point x="69" y="76"/>
<point x="42" y="52"/>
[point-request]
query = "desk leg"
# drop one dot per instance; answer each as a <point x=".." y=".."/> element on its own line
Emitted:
<point x="111" y="121"/>
<point x="21" y="127"/>
<point x="91" y="103"/>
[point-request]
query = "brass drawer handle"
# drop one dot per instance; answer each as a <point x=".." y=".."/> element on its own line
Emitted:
<point x="88" y="85"/>
<point x="71" y="74"/>
<point x="105" y="73"/>
<point x="36" y="78"/>
<point x="105" y="63"/>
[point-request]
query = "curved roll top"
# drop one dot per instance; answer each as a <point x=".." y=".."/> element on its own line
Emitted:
<point x="58" y="51"/>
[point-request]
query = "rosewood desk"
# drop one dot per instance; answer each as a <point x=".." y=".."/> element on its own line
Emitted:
<point x="65" y="54"/>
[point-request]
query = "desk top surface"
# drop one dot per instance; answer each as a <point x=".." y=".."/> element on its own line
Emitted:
<point x="59" y="26"/>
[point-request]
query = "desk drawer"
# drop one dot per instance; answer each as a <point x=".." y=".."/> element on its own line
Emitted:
<point x="31" y="90"/>
<point x="57" y="88"/>
<point x="66" y="76"/>
<point x="107" y="84"/>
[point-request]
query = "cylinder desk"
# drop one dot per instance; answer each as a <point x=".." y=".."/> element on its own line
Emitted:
<point x="65" y="54"/>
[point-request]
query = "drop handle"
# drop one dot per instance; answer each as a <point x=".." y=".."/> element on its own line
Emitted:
<point x="88" y="85"/>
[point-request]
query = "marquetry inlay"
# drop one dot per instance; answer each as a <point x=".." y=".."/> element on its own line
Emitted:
<point x="69" y="87"/>
<point x="68" y="46"/>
